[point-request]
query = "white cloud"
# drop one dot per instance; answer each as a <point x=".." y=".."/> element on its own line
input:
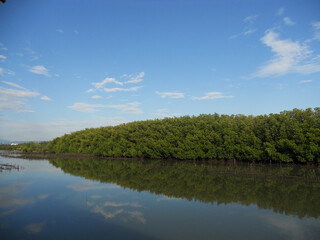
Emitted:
<point x="289" y="57"/>
<point x="212" y="95"/>
<point x="59" y="30"/>
<point x="132" y="108"/>
<point x="39" y="70"/>
<point x="316" y="29"/>
<point x="132" y="79"/>
<point x="250" y="19"/>
<point x="99" y="85"/>
<point x="2" y="57"/>
<point x="90" y="90"/>
<point x="46" y="98"/>
<point x="17" y="93"/>
<point x="33" y="131"/>
<point x="280" y="11"/>
<point x="1" y="71"/>
<point x="12" y="99"/>
<point x="288" y="21"/>
<point x="170" y="94"/>
<point x="132" y="89"/>
<point x="96" y="97"/>
<point x="13" y="84"/>
<point x="136" y="79"/>
<point x="305" y="81"/>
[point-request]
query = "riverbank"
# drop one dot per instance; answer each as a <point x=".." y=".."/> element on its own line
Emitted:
<point x="46" y="155"/>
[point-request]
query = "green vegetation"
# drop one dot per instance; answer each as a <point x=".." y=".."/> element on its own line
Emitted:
<point x="33" y="146"/>
<point x="290" y="189"/>
<point x="8" y="147"/>
<point x="291" y="136"/>
<point x="25" y="147"/>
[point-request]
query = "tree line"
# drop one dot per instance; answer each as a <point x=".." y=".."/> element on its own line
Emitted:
<point x="290" y="136"/>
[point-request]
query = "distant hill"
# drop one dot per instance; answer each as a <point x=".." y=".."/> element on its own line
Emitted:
<point x="2" y="141"/>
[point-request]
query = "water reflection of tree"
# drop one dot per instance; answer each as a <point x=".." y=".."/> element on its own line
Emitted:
<point x="288" y="190"/>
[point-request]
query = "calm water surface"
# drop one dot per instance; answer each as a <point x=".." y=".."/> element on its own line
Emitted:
<point x="114" y="199"/>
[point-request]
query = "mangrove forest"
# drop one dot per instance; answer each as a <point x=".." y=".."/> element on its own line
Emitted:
<point x="290" y="136"/>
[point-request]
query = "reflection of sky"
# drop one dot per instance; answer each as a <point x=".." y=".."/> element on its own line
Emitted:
<point x="165" y="198"/>
<point x="124" y="210"/>
<point x="86" y="185"/>
<point x="9" y="199"/>
<point x="292" y="227"/>
<point x="42" y="201"/>
<point x="34" y="228"/>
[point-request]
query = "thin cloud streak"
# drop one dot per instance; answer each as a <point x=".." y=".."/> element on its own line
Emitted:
<point x="132" y="89"/>
<point x="305" y="81"/>
<point x="211" y="95"/>
<point x="170" y="94"/>
<point x="14" y="85"/>
<point x="132" y="107"/>
<point x="164" y="113"/>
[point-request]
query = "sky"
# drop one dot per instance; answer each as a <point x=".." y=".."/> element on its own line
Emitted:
<point x="67" y="65"/>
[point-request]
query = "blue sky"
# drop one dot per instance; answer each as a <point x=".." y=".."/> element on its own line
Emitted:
<point x="70" y="65"/>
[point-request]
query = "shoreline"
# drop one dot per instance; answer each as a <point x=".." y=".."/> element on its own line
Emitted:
<point x="46" y="155"/>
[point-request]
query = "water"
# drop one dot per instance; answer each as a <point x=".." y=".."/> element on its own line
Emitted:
<point x="115" y="199"/>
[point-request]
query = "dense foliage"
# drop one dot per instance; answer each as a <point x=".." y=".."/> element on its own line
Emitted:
<point x="291" y="136"/>
<point x="7" y="147"/>
<point x="287" y="189"/>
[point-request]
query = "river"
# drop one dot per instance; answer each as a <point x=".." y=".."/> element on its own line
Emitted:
<point x="61" y="198"/>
